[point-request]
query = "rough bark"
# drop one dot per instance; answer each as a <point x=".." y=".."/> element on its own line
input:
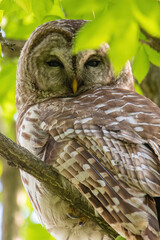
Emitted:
<point x="11" y="48"/>
<point x="21" y="158"/>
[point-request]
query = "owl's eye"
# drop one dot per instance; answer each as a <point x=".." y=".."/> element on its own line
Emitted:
<point x="92" y="63"/>
<point x="54" y="63"/>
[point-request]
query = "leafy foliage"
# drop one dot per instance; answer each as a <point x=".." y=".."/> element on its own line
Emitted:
<point x="117" y="22"/>
<point x="141" y="63"/>
<point x="153" y="55"/>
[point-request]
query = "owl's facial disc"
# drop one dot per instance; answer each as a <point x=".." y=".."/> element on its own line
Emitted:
<point x="57" y="71"/>
<point x="53" y="63"/>
<point x="93" y="69"/>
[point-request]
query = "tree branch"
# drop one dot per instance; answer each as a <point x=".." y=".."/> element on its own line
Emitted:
<point x="10" y="47"/>
<point x="153" y="42"/>
<point x="21" y="158"/>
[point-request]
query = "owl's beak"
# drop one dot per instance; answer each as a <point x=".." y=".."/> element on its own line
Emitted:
<point x="74" y="85"/>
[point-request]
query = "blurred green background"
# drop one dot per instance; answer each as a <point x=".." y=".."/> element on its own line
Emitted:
<point x="126" y="25"/>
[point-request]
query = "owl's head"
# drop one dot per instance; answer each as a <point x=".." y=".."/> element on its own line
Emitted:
<point x="47" y="68"/>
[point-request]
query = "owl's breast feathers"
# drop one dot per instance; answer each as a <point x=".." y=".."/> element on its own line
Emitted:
<point x="107" y="143"/>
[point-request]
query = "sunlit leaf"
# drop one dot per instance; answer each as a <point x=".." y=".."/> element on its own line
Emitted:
<point x="34" y="231"/>
<point x="9" y="110"/>
<point x="19" y="24"/>
<point x="4" y="4"/>
<point x="147" y="13"/>
<point x="8" y="6"/>
<point x="142" y="36"/>
<point x="57" y="10"/>
<point x="7" y="90"/>
<point x="104" y="27"/>
<point x="140" y="64"/>
<point x="138" y="89"/>
<point x="41" y="8"/>
<point x="25" y="4"/>
<point x="45" y="9"/>
<point x="1" y="14"/>
<point x="154" y="56"/>
<point x="121" y="35"/>
<point x="88" y="38"/>
<point x="124" y="45"/>
<point x="84" y="9"/>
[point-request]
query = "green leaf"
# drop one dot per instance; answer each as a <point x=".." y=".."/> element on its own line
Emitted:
<point x="57" y="10"/>
<point x="7" y="6"/>
<point x="147" y="13"/>
<point x="142" y="36"/>
<point x="140" y="64"/>
<point x="121" y="35"/>
<point x="47" y="8"/>
<point x="35" y="231"/>
<point x="19" y="23"/>
<point x="83" y="9"/>
<point x="154" y="56"/>
<point x="1" y="14"/>
<point x="138" y="89"/>
<point x="25" y="4"/>
<point x="7" y="90"/>
<point x="124" y="45"/>
<point x="41" y="8"/>
<point x="88" y="38"/>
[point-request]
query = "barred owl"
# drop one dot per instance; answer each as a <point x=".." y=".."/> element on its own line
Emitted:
<point x="94" y="129"/>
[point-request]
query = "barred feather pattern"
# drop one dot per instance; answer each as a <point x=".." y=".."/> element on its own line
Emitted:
<point x="106" y="142"/>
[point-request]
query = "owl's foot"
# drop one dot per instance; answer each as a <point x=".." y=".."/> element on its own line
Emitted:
<point x="74" y="214"/>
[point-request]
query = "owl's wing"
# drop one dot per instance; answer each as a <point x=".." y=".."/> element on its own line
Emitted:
<point x="112" y="165"/>
<point x="122" y="207"/>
